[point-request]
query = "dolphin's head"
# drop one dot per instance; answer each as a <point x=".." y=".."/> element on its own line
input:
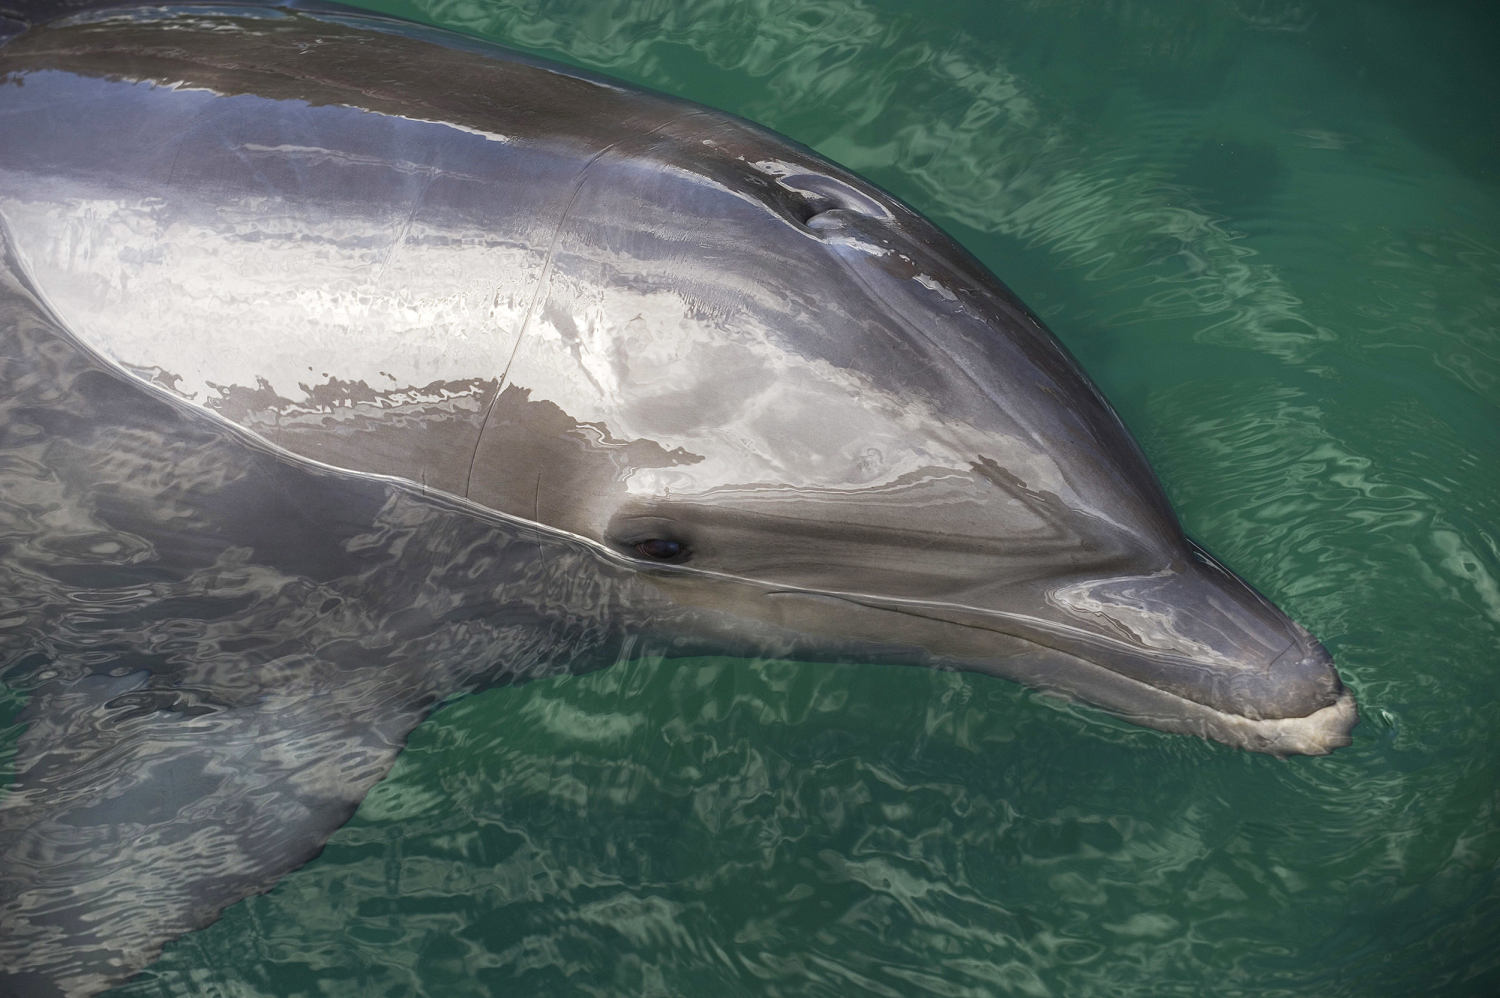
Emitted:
<point x="814" y="412"/>
<point x="788" y="399"/>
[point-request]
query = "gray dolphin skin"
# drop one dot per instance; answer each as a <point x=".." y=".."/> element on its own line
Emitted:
<point x="351" y="365"/>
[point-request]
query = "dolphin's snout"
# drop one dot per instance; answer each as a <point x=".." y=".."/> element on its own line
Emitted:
<point x="1196" y="649"/>
<point x="1201" y="633"/>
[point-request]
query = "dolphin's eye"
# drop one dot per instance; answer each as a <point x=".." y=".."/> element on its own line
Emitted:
<point x="661" y="549"/>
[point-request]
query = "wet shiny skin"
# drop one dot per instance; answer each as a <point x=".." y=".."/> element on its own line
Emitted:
<point x="632" y="324"/>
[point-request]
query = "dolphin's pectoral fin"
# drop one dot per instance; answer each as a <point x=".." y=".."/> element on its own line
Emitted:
<point x="143" y="819"/>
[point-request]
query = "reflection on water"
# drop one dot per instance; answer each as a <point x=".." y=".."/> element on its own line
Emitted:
<point x="1259" y="229"/>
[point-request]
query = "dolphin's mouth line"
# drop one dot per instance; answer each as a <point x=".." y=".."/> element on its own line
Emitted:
<point x="1318" y="732"/>
<point x="1074" y="642"/>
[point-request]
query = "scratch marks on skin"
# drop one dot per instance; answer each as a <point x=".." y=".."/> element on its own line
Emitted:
<point x="536" y="515"/>
<point x="545" y="279"/>
<point x="431" y="172"/>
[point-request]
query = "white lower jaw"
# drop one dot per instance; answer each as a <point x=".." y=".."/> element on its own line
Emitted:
<point x="1317" y="733"/>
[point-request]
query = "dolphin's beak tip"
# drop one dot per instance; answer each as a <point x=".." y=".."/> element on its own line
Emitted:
<point x="1299" y="682"/>
<point x="1309" y="710"/>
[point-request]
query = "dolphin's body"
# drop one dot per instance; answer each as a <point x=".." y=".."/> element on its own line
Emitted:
<point x="351" y="365"/>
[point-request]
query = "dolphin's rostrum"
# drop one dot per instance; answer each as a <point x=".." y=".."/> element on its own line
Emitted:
<point x="352" y="365"/>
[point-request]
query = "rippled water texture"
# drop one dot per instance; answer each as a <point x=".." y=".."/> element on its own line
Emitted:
<point x="1271" y="231"/>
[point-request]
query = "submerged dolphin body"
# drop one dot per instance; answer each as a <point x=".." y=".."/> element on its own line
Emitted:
<point x="351" y="365"/>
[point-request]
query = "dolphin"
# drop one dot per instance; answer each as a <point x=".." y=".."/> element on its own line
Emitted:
<point x="352" y="365"/>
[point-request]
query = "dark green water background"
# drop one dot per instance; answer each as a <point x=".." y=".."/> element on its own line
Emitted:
<point x="1271" y="231"/>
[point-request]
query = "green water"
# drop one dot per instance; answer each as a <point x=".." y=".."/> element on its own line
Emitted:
<point x="1270" y="229"/>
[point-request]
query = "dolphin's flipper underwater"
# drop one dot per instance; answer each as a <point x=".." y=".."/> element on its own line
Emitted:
<point x="158" y="828"/>
<point x="334" y="387"/>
